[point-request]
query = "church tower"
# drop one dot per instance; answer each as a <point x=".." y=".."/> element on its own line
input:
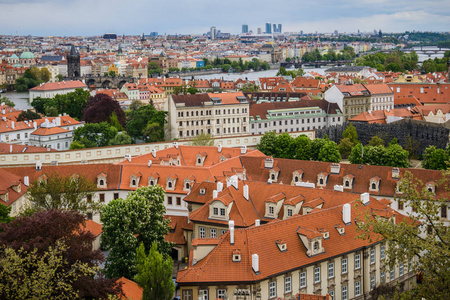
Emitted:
<point x="73" y="64"/>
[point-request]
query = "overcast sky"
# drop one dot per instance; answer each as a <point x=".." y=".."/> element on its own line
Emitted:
<point x="96" y="17"/>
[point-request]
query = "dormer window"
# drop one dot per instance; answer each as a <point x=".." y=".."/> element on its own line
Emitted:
<point x="236" y="256"/>
<point x="134" y="179"/>
<point x="374" y="186"/>
<point x="289" y="212"/>
<point x="322" y="179"/>
<point x="348" y="181"/>
<point x="296" y="178"/>
<point x="316" y="246"/>
<point x="218" y="210"/>
<point x="273" y="174"/>
<point x="186" y="186"/>
<point x="222" y="212"/>
<point x="133" y="182"/>
<point x="282" y="246"/>
<point x="169" y="184"/>
<point x="272" y="177"/>
<point x="215" y="211"/>
<point x="101" y="181"/>
<point x="199" y="161"/>
<point x="151" y="182"/>
<point x="153" y="179"/>
<point x="171" y="181"/>
<point x="202" y="191"/>
<point x="271" y="210"/>
<point x="431" y="187"/>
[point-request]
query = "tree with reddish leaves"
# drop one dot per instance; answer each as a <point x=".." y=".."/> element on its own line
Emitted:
<point x="100" y="108"/>
<point x="45" y="229"/>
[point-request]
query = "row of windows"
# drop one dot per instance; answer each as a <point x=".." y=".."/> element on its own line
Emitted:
<point x="291" y="129"/>
<point x="197" y="113"/>
<point x="170" y="200"/>
<point x="231" y="120"/>
<point x="208" y="122"/>
<point x="212" y="232"/>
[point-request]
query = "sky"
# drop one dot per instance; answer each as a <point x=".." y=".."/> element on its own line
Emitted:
<point x="96" y="17"/>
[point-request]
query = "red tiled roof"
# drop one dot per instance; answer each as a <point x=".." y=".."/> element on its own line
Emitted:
<point x="51" y="86"/>
<point x="131" y="290"/>
<point x="49" y="131"/>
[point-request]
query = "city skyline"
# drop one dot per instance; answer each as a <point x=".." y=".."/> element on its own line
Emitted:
<point x="82" y="17"/>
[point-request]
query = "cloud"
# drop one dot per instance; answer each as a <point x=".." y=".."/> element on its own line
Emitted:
<point x="87" y="17"/>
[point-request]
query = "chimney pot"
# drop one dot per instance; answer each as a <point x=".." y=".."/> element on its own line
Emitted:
<point x="346" y="214"/>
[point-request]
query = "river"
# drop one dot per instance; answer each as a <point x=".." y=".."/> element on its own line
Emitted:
<point x="249" y="76"/>
<point x="20" y="99"/>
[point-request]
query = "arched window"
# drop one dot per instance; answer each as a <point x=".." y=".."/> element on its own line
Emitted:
<point x="102" y="182"/>
<point x="296" y="179"/>
<point x="133" y="182"/>
<point x="321" y="181"/>
<point x="273" y="177"/>
<point x="187" y="185"/>
<point x="347" y="183"/>
<point x="169" y="184"/>
<point x="152" y="182"/>
<point x="199" y="160"/>
<point x="374" y="186"/>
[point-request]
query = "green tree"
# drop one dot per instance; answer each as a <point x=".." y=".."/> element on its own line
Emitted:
<point x="249" y="87"/>
<point x="376" y="141"/>
<point x="27" y="275"/>
<point x="355" y="154"/>
<point x="420" y="241"/>
<point x="153" y="132"/>
<point x="154" y="274"/>
<point x="95" y="134"/>
<point x="6" y="100"/>
<point x="350" y="132"/>
<point x="284" y="146"/>
<point x="141" y="221"/>
<point x="60" y="77"/>
<point x="435" y="159"/>
<point x="143" y="116"/>
<point x="329" y="152"/>
<point x="267" y="143"/>
<point x="63" y="193"/>
<point x="4" y="214"/>
<point x="203" y="139"/>
<point x="27" y="115"/>
<point x="114" y="121"/>
<point x="154" y="68"/>
<point x="112" y="73"/>
<point x="302" y="147"/>
<point x="122" y="138"/>
<point x="316" y="145"/>
<point x="374" y="155"/>
<point x="395" y="156"/>
<point x="77" y="145"/>
<point x="345" y="147"/>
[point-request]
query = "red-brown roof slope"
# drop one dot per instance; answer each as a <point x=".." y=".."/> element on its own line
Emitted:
<point x="131" y="290"/>
<point x="50" y="86"/>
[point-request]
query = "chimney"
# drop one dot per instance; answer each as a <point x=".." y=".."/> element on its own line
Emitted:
<point x="219" y="186"/>
<point x="395" y="173"/>
<point x="255" y="263"/>
<point x="35" y="125"/>
<point x="149" y="163"/>
<point x="268" y="163"/>
<point x="339" y="188"/>
<point x="365" y="198"/>
<point x="215" y="194"/>
<point x="10" y="149"/>
<point x="128" y="157"/>
<point x="153" y="152"/>
<point x="219" y="148"/>
<point x="231" y="227"/>
<point x="245" y="192"/>
<point x="243" y="149"/>
<point x="347" y="214"/>
<point x="38" y="166"/>
<point x="269" y="181"/>
<point x="257" y="222"/>
<point x="12" y="124"/>
<point x="175" y="144"/>
<point x="26" y="181"/>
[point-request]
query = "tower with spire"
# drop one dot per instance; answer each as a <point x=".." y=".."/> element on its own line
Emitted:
<point x="73" y="64"/>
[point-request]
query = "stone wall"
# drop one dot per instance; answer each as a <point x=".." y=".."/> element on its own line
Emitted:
<point x="424" y="133"/>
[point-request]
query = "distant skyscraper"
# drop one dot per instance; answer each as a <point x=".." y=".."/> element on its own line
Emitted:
<point x="279" y="28"/>
<point x="154" y="34"/>
<point x="274" y="26"/>
<point x="268" y="28"/>
<point x="259" y="30"/>
<point x="245" y="28"/>
<point x="301" y="32"/>
<point x="213" y="33"/>
<point x="336" y="32"/>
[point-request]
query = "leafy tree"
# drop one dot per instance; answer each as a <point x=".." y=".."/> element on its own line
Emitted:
<point x="374" y="155"/>
<point x="94" y="134"/>
<point x="135" y="104"/>
<point x="329" y="152"/>
<point x="316" y="145"/>
<point x="350" y="132"/>
<point x="355" y="154"/>
<point x="283" y="146"/>
<point x="154" y="68"/>
<point x="424" y="238"/>
<point x="112" y="73"/>
<point x="27" y="275"/>
<point x="6" y="100"/>
<point x="72" y="104"/>
<point x="27" y="115"/>
<point x="153" y="132"/>
<point x="77" y="145"/>
<point x="192" y="91"/>
<point x="154" y="274"/>
<point x="143" y="116"/>
<point x="4" y="214"/>
<point x="203" y="139"/>
<point x="435" y="159"/>
<point x="63" y="193"/>
<point x="141" y="221"/>
<point x="100" y="108"/>
<point x="394" y="141"/>
<point x="376" y="141"/>
<point x="114" y="121"/>
<point x="303" y="147"/>
<point x="345" y="147"/>
<point x="46" y="229"/>
<point x="60" y="77"/>
<point x="395" y="156"/>
<point x="249" y="87"/>
<point x="267" y="144"/>
<point x="411" y="145"/>
<point x="122" y="138"/>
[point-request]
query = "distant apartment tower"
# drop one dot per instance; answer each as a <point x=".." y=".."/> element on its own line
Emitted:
<point x="336" y="32"/>
<point x="259" y="30"/>
<point x="154" y="34"/>
<point x="110" y="36"/>
<point x="274" y="26"/>
<point x="268" y="28"/>
<point x="245" y="28"/>
<point x="279" y="28"/>
<point x="213" y="33"/>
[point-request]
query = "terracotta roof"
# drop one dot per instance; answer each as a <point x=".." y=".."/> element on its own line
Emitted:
<point x="93" y="227"/>
<point x="218" y="266"/>
<point x="131" y="290"/>
<point x="7" y="181"/>
<point x="5" y="148"/>
<point x="176" y="233"/>
<point x="51" y="86"/>
<point x="262" y="109"/>
<point x="49" y="131"/>
<point x="376" y="89"/>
